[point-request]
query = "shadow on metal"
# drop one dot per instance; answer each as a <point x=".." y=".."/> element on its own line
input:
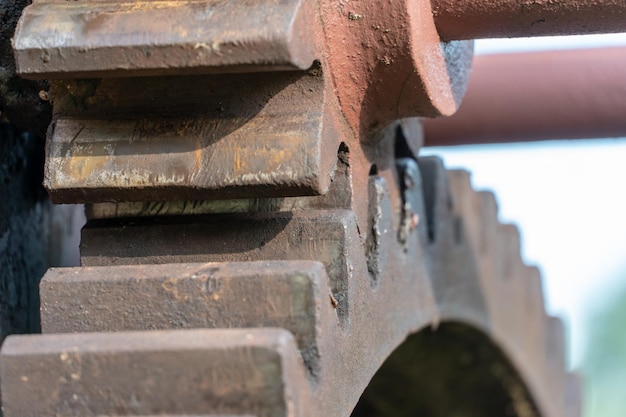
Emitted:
<point x="454" y="370"/>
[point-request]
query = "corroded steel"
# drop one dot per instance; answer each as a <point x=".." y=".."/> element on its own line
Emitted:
<point x="234" y="136"/>
<point x="272" y="236"/>
<point x="468" y="19"/>
<point x="175" y="373"/>
<point x="387" y="62"/>
<point x="187" y="296"/>
<point x="576" y="94"/>
<point x="257" y="135"/>
<point x="88" y="39"/>
<point x="286" y="211"/>
<point x="466" y="269"/>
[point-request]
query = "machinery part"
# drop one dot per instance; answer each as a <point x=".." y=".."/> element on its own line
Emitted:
<point x="298" y="188"/>
<point x="575" y="94"/>
<point x="470" y="273"/>
<point x="204" y="36"/>
<point x="386" y="60"/>
<point x="228" y="295"/>
<point x="256" y="135"/>
<point x="464" y="19"/>
<point x="62" y="40"/>
<point x="236" y="135"/>
<point x="191" y="372"/>
<point x="250" y="237"/>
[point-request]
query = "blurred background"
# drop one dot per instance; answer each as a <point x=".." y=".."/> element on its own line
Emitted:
<point x="569" y="201"/>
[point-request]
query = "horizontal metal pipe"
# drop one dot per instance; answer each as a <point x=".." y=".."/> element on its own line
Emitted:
<point x="572" y="94"/>
<point x="478" y="19"/>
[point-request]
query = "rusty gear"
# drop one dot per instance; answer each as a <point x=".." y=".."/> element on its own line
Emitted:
<point x="262" y="237"/>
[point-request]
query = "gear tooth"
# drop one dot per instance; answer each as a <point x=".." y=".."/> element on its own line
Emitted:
<point x="490" y="201"/>
<point x="509" y="251"/>
<point x="487" y="249"/>
<point x="433" y="161"/>
<point x="172" y="372"/>
<point x="460" y="183"/>
<point x="489" y="211"/>
<point x="171" y="296"/>
<point x="514" y="296"/>
<point x="555" y="343"/>
<point x="461" y="193"/>
<point x="437" y="200"/>
<point x="555" y="363"/>
<point x="534" y="314"/>
<point x="510" y="315"/>
<point x="238" y="240"/>
<point x="466" y="206"/>
<point x="534" y="288"/>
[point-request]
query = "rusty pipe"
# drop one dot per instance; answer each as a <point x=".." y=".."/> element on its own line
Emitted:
<point x="521" y="97"/>
<point x="469" y="19"/>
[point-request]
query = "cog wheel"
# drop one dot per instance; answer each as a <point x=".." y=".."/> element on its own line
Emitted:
<point x="293" y="321"/>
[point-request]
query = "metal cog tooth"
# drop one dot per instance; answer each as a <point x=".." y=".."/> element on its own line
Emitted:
<point x="183" y="372"/>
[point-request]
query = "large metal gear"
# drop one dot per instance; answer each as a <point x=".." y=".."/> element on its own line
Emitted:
<point x="341" y="312"/>
<point x="297" y="325"/>
<point x="263" y="238"/>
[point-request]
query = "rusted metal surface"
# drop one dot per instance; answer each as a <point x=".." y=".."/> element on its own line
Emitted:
<point x="494" y="280"/>
<point x="189" y="296"/>
<point x="574" y="94"/>
<point x="237" y="136"/>
<point x="339" y="196"/>
<point x="387" y="58"/>
<point x="79" y="40"/>
<point x="467" y="19"/>
<point x="341" y="236"/>
<point x="258" y="135"/>
<point x="176" y="373"/>
<point x="387" y="62"/>
<point x="453" y="276"/>
<point x="326" y="236"/>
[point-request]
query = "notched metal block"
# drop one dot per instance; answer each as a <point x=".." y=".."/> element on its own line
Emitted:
<point x="175" y="372"/>
<point x="190" y="138"/>
<point x="60" y="39"/>
<point x="198" y="295"/>
<point x="327" y="236"/>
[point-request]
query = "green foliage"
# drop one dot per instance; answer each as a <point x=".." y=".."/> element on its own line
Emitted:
<point x="605" y="359"/>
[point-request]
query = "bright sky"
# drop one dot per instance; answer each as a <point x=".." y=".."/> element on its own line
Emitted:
<point x="567" y="197"/>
